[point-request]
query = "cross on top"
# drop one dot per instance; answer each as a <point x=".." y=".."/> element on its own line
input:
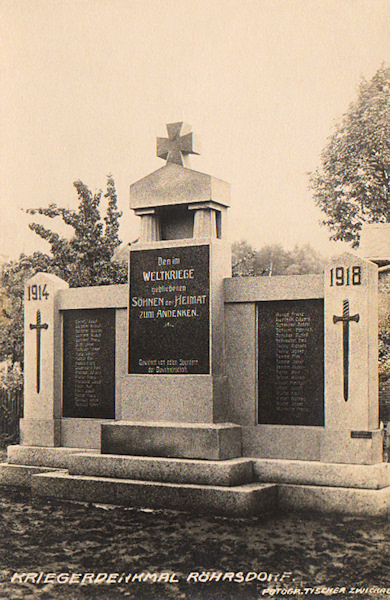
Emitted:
<point x="179" y="143"/>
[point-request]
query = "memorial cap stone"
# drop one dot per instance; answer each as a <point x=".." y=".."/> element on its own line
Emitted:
<point x="174" y="183"/>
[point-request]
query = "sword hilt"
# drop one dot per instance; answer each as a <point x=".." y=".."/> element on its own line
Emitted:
<point x="346" y="317"/>
<point x="343" y="319"/>
<point x="38" y="325"/>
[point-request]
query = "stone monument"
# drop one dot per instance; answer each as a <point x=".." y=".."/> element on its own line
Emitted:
<point x="189" y="388"/>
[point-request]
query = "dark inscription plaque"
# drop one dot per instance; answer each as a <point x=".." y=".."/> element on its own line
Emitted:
<point x="89" y="364"/>
<point x="291" y="362"/>
<point x="169" y="315"/>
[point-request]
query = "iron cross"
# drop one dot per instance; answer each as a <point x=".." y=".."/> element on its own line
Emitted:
<point x="179" y="143"/>
<point x="345" y="319"/>
<point x="38" y="326"/>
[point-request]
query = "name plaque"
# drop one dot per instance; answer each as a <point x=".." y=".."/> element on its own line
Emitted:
<point x="169" y="311"/>
<point x="291" y="362"/>
<point x="89" y="364"/>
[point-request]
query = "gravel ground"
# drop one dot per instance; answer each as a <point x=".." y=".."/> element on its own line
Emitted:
<point x="288" y="555"/>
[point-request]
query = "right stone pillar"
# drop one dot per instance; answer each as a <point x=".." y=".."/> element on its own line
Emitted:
<point x="352" y="433"/>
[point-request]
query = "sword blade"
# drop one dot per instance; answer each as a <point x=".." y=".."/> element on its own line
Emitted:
<point x="38" y="360"/>
<point x="346" y="358"/>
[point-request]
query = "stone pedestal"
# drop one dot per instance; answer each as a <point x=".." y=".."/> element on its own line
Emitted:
<point x="42" y="363"/>
<point x="187" y="440"/>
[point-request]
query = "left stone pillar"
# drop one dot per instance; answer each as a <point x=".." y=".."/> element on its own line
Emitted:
<point x="42" y="362"/>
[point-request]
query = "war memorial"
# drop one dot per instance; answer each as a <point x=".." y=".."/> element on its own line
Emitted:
<point x="189" y="389"/>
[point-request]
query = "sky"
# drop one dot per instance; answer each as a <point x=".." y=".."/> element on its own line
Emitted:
<point x="88" y="85"/>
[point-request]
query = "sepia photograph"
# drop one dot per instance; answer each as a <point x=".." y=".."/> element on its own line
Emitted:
<point x="194" y="299"/>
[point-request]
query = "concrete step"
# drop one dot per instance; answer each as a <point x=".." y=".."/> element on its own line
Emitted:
<point x="20" y="475"/>
<point x="232" y="472"/>
<point x="41" y="456"/>
<point x="240" y="501"/>
<point x="209" y="441"/>
<point x="313" y="473"/>
<point x="325" y="499"/>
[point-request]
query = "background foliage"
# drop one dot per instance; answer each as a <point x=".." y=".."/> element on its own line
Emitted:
<point x="351" y="185"/>
<point x="84" y="259"/>
<point x="274" y="260"/>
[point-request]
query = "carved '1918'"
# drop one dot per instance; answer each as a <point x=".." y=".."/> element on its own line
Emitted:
<point x="346" y="276"/>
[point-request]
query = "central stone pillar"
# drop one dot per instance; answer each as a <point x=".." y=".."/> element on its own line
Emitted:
<point x="176" y="322"/>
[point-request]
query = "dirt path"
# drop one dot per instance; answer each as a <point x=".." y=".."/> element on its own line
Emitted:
<point x="203" y="557"/>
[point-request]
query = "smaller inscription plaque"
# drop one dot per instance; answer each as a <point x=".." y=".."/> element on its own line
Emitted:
<point x="291" y="362"/>
<point x="89" y="364"/>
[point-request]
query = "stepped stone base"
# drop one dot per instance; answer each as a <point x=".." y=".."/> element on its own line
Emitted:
<point x="185" y="440"/>
<point x="302" y="472"/>
<point x="42" y="456"/>
<point x="238" y="487"/>
<point x="323" y="499"/>
<point x="239" y="501"/>
<point x="228" y="473"/>
<point x="20" y="475"/>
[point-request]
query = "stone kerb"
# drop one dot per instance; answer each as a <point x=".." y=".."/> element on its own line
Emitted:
<point x="351" y="361"/>
<point x="42" y="361"/>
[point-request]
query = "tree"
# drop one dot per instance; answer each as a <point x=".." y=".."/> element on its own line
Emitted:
<point x="271" y="260"/>
<point x="274" y="260"/>
<point x="242" y="258"/>
<point x="84" y="259"/>
<point x="352" y="184"/>
<point x="303" y="260"/>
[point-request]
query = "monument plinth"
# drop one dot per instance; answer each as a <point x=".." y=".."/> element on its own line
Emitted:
<point x="176" y="333"/>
